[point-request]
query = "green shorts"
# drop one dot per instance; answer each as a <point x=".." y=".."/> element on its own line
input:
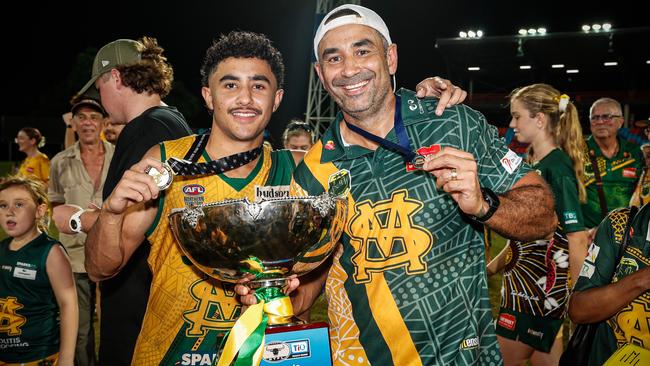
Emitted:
<point x="536" y="331"/>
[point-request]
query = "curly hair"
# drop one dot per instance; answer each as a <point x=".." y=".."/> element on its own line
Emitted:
<point x="240" y="44"/>
<point x="152" y="74"/>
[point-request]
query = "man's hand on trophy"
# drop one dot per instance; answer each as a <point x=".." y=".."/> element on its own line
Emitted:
<point x="135" y="186"/>
<point x="247" y="295"/>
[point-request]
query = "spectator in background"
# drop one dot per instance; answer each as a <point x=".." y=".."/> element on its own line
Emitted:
<point x="616" y="293"/>
<point x="641" y="194"/>
<point x="77" y="178"/>
<point x="112" y="130"/>
<point x="538" y="270"/>
<point x="298" y="135"/>
<point x="608" y="158"/>
<point x="132" y="78"/>
<point x="37" y="164"/>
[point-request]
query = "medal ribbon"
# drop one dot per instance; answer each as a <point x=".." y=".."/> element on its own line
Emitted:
<point x="189" y="167"/>
<point x="404" y="146"/>
<point x="246" y="339"/>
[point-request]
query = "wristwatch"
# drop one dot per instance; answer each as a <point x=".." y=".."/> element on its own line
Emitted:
<point x="75" y="221"/>
<point x="493" y="203"/>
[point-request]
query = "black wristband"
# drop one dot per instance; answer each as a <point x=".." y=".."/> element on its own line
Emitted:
<point x="493" y="203"/>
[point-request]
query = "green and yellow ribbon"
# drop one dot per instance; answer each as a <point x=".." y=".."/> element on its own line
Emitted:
<point x="245" y="343"/>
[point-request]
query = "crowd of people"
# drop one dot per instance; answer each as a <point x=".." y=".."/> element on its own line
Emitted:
<point x="423" y="174"/>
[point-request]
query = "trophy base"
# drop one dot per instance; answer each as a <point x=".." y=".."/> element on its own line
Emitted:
<point x="271" y="282"/>
<point x="301" y="344"/>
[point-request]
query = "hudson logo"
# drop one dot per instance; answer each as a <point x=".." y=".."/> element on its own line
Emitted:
<point x="10" y="321"/>
<point x="193" y="189"/>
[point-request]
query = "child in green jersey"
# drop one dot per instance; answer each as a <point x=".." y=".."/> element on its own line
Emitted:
<point x="38" y="300"/>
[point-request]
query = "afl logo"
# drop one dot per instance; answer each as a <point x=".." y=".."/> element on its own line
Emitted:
<point x="193" y="189"/>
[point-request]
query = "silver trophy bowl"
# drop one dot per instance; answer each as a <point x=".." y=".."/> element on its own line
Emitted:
<point x="271" y="239"/>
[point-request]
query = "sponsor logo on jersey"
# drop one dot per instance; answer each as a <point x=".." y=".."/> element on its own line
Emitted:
<point x="535" y="333"/>
<point x="629" y="172"/>
<point x="570" y="217"/>
<point x="193" y="189"/>
<point x="270" y="192"/>
<point x="339" y="183"/>
<point x="587" y="270"/>
<point x="411" y="104"/>
<point x="511" y="161"/>
<point x="7" y="268"/>
<point x="384" y="237"/>
<point x="592" y="254"/>
<point x="329" y="145"/>
<point x="198" y="359"/>
<point x="469" y="343"/>
<point x="193" y="195"/>
<point x="507" y="321"/>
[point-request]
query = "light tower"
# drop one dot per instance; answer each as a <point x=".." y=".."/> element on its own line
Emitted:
<point x="321" y="110"/>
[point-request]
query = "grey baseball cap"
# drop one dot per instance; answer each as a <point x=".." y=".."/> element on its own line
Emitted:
<point x="119" y="52"/>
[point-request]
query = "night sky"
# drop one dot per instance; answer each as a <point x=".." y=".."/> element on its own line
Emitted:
<point x="43" y="50"/>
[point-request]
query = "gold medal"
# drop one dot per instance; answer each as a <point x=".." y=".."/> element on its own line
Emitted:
<point x="163" y="179"/>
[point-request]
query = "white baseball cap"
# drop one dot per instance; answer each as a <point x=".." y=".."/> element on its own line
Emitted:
<point x="363" y="16"/>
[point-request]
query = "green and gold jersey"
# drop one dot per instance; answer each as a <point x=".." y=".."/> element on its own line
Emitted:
<point x="409" y="285"/>
<point x="536" y="276"/>
<point x="619" y="175"/>
<point x="189" y="313"/>
<point x="29" y="313"/>
<point x="630" y="324"/>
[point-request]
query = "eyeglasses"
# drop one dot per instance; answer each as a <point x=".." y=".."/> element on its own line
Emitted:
<point x="93" y="117"/>
<point x="604" y="117"/>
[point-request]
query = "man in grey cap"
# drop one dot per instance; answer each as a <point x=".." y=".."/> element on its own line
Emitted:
<point x="77" y="177"/>
<point x="408" y="285"/>
<point x="132" y="77"/>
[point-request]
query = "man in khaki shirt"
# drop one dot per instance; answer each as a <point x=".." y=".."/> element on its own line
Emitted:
<point x="77" y="176"/>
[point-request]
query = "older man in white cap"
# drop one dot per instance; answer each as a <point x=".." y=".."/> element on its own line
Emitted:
<point x="408" y="286"/>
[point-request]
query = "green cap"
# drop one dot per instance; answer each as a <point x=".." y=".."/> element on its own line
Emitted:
<point x="120" y="52"/>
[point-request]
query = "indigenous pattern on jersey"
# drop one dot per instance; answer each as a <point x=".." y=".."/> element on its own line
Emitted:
<point x="535" y="278"/>
<point x="619" y="175"/>
<point x="408" y="286"/>
<point x="632" y="323"/>
<point x="29" y="313"/>
<point x="189" y="313"/>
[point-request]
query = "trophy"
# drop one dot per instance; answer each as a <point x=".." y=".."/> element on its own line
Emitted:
<point x="265" y="242"/>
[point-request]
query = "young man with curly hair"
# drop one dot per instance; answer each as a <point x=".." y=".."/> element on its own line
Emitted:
<point x="132" y="77"/>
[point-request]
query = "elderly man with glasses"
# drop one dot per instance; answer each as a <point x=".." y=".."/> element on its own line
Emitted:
<point x="612" y="165"/>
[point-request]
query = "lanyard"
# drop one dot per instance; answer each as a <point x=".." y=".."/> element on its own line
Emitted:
<point x="189" y="167"/>
<point x="404" y="146"/>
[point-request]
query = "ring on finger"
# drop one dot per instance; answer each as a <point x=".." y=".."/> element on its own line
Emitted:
<point x="453" y="175"/>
